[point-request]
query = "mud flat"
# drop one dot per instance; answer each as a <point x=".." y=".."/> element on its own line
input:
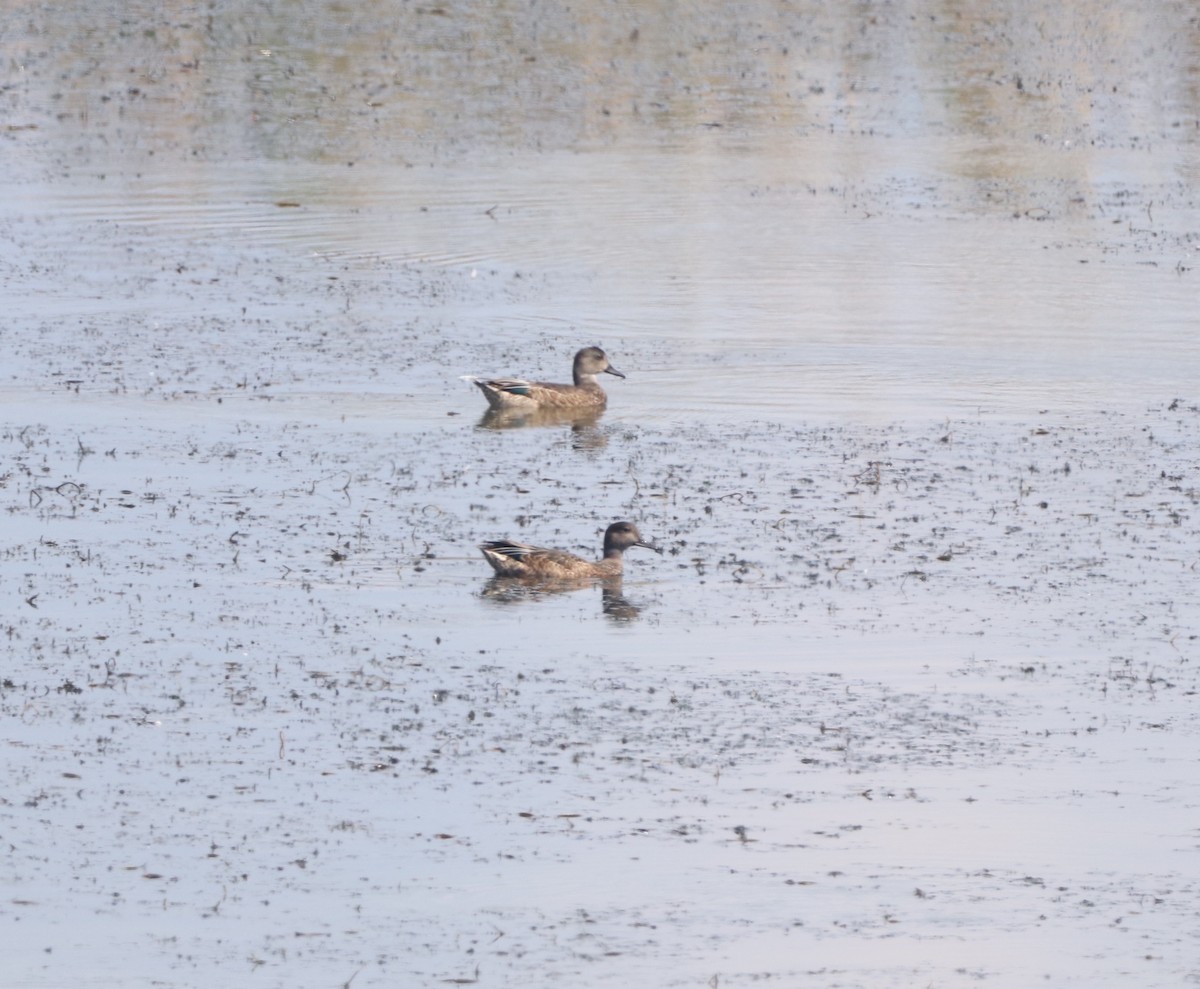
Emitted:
<point x="907" y="311"/>
<point x="889" y="716"/>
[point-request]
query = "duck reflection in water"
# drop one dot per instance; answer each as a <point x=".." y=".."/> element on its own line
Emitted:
<point x="584" y="423"/>
<point x="511" y="590"/>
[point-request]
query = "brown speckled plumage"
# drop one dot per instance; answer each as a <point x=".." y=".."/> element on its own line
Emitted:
<point x="517" y="393"/>
<point x="510" y="559"/>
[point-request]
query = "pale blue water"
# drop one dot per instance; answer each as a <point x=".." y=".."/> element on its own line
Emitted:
<point x="906" y="302"/>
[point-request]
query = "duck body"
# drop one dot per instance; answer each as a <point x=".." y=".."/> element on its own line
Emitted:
<point x="585" y="393"/>
<point x="513" y="559"/>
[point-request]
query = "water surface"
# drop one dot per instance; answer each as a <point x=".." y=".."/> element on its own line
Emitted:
<point x="906" y="303"/>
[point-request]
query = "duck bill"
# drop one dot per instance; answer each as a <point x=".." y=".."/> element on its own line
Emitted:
<point x="653" y="546"/>
<point x="612" y="370"/>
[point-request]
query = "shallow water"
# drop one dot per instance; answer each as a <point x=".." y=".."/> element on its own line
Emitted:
<point x="906" y="307"/>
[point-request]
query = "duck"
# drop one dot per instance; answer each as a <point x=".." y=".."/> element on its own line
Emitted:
<point x="585" y="393"/>
<point x="513" y="559"/>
